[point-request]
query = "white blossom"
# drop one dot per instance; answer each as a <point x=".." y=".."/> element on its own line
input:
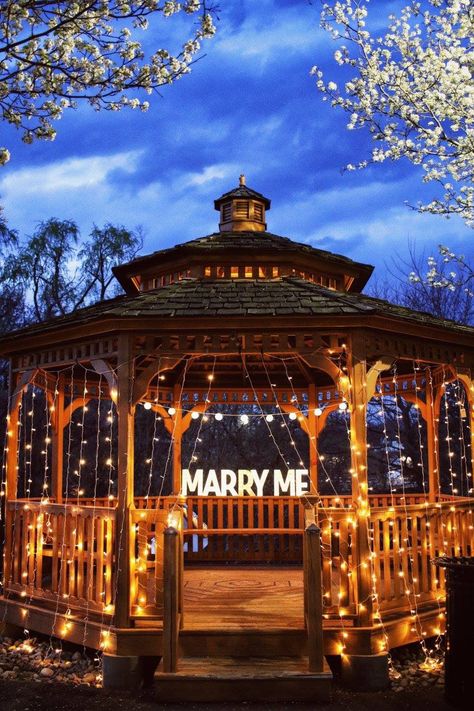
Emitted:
<point x="54" y="54"/>
<point x="413" y="88"/>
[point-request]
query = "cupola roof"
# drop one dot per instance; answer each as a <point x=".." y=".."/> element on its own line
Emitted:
<point x="242" y="191"/>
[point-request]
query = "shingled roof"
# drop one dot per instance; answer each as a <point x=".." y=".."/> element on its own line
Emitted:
<point x="256" y="243"/>
<point x="242" y="191"/>
<point x="286" y="296"/>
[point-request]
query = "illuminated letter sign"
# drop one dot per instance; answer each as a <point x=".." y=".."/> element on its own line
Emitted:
<point x="246" y="482"/>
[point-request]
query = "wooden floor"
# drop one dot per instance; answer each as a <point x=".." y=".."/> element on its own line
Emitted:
<point x="245" y="597"/>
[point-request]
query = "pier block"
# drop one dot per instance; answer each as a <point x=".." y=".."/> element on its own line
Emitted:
<point x="365" y="672"/>
<point x="128" y="672"/>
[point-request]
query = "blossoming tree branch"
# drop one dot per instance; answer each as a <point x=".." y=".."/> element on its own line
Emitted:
<point x="413" y="88"/>
<point x="54" y="54"/>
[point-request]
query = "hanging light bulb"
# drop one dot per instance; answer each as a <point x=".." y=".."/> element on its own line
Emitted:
<point x="293" y="415"/>
<point x="172" y="411"/>
<point x="343" y="405"/>
<point x="218" y="416"/>
<point x="269" y="418"/>
<point x="195" y="415"/>
<point x="244" y="419"/>
<point x="147" y="405"/>
<point x="318" y="412"/>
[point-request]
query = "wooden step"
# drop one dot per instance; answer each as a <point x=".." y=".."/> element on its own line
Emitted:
<point x="246" y="642"/>
<point x="220" y="679"/>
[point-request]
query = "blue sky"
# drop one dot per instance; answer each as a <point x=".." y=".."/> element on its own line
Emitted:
<point x="249" y="105"/>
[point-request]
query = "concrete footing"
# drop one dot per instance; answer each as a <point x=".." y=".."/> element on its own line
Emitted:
<point x="128" y="672"/>
<point x="365" y="672"/>
<point x="9" y="630"/>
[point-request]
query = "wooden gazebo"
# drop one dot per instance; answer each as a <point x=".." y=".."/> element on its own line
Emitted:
<point x="245" y="319"/>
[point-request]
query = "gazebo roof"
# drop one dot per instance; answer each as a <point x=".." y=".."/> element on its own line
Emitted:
<point x="217" y="298"/>
<point x="241" y="243"/>
<point x="242" y="191"/>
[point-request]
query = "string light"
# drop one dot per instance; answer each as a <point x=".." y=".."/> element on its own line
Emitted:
<point x="408" y="584"/>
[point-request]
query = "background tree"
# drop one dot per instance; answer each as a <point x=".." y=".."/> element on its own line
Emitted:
<point x="55" y="272"/>
<point x="441" y="285"/>
<point x="413" y="88"/>
<point x="54" y="54"/>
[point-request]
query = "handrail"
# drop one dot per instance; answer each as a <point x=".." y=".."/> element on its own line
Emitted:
<point x="241" y="531"/>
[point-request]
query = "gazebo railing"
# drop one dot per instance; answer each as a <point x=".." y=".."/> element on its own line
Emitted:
<point x="63" y="554"/>
<point x="60" y="553"/>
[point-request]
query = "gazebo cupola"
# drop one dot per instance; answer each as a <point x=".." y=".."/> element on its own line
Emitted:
<point x="242" y="209"/>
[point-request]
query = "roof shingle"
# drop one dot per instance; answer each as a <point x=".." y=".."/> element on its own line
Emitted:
<point x="284" y="296"/>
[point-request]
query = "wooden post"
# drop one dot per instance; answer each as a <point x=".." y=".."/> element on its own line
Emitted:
<point x="11" y="459"/>
<point x="313" y="597"/>
<point x="313" y="439"/>
<point x="58" y="443"/>
<point x="177" y="435"/>
<point x="360" y="498"/>
<point x="432" y="442"/>
<point x="125" y="483"/>
<point x="170" y="599"/>
<point x="11" y="477"/>
<point x="468" y="383"/>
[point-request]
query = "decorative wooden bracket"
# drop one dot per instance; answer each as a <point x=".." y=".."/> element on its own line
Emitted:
<point x="157" y="366"/>
<point x="322" y="362"/>
<point x="187" y="418"/>
<point x="383" y="363"/>
<point x="105" y="369"/>
<point x="25" y="380"/>
<point x="302" y="420"/>
<point x="72" y="407"/>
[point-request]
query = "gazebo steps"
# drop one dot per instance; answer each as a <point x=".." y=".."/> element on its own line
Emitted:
<point x="248" y="642"/>
<point x="221" y="679"/>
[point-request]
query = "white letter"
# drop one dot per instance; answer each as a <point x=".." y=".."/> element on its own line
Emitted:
<point x="245" y="482"/>
<point x="281" y="485"/>
<point x="212" y="484"/>
<point x="260" y="480"/>
<point x="228" y="482"/>
<point x="302" y="484"/>
<point x="191" y="485"/>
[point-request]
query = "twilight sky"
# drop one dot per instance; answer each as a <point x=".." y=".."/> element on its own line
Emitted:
<point x="248" y="106"/>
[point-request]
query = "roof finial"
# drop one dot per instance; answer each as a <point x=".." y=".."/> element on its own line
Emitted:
<point x="242" y="179"/>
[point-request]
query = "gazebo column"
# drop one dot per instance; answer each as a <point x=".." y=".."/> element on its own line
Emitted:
<point x="468" y="383"/>
<point x="11" y="474"/>
<point x="125" y="480"/>
<point x="177" y="436"/>
<point x="432" y="442"/>
<point x="313" y="431"/>
<point x="58" y="442"/>
<point x="370" y="671"/>
<point x="360" y="490"/>
<point x="125" y="672"/>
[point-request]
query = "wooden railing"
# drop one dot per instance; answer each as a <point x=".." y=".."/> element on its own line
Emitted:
<point x="62" y="553"/>
<point x="147" y="546"/>
<point x="405" y="542"/>
<point x="242" y="528"/>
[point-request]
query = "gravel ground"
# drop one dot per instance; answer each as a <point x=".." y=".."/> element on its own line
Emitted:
<point x="34" y="676"/>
